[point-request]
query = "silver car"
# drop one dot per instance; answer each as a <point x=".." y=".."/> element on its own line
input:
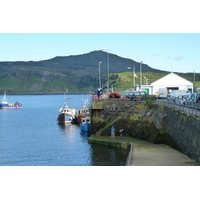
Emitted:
<point x="192" y="99"/>
<point x="181" y="99"/>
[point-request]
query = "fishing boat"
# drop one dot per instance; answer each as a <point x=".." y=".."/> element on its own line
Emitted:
<point x="83" y="117"/>
<point x="85" y="124"/>
<point x="84" y="111"/>
<point x="66" y="114"/>
<point x="5" y="105"/>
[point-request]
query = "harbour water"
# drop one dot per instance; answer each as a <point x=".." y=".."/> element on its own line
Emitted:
<point x="31" y="136"/>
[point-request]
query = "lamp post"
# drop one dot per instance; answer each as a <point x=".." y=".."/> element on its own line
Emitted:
<point x="141" y="75"/>
<point x="107" y="65"/>
<point x="99" y="76"/>
<point x="146" y="80"/>
<point x="133" y="75"/>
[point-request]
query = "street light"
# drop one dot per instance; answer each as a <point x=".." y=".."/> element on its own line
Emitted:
<point x="146" y="80"/>
<point x="99" y="76"/>
<point x="104" y="49"/>
<point x="133" y="75"/>
<point x="141" y="75"/>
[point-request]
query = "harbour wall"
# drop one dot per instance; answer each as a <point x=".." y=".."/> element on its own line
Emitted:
<point x="113" y="143"/>
<point x="123" y="145"/>
<point x="147" y="121"/>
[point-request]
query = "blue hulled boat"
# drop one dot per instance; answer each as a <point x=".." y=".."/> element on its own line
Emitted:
<point x="5" y="105"/>
<point x="85" y="124"/>
<point x="83" y="117"/>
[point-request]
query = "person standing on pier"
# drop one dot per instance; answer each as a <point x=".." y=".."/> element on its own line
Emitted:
<point x="112" y="132"/>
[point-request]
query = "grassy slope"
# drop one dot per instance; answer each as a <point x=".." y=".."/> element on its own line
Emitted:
<point x="125" y="80"/>
<point x="30" y="82"/>
<point x="197" y="84"/>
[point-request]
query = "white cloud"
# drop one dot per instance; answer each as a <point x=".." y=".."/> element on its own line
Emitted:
<point x="155" y="54"/>
<point x="178" y="58"/>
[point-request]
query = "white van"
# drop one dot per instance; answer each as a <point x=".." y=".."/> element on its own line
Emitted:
<point x="162" y="93"/>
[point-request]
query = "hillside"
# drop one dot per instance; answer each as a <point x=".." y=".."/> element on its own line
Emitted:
<point x="88" y="61"/>
<point x="78" y="73"/>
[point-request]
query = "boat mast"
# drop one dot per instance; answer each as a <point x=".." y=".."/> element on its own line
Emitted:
<point x="4" y="97"/>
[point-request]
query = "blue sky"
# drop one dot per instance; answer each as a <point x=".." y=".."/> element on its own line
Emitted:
<point x="166" y="51"/>
<point x="163" y="34"/>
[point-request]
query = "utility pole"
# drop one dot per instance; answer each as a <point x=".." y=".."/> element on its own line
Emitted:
<point x="140" y="74"/>
<point x="194" y="82"/>
<point x="104" y="49"/>
<point x="133" y="75"/>
<point x="99" y="75"/>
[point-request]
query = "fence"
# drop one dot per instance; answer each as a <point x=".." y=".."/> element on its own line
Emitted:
<point x="128" y="161"/>
<point x="192" y="110"/>
<point x="186" y="109"/>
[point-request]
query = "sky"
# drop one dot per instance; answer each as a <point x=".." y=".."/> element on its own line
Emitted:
<point x="178" y="52"/>
<point x="163" y="34"/>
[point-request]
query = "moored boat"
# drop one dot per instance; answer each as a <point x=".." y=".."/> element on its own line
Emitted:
<point x="83" y="117"/>
<point x="85" y="124"/>
<point x="83" y="112"/>
<point x="66" y="114"/>
<point x="5" y="105"/>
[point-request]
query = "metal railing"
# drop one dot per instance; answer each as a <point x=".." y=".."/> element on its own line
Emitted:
<point x="195" y="111"/>
<point x="128" y="161"/>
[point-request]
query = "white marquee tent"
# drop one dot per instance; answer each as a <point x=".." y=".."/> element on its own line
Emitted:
<point x="171" y="81"/>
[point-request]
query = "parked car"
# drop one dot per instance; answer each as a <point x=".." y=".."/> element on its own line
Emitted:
<point x="138" y="96"/>
<point x="175" y="93"/>
<point x="126" y="93"/>
<point x="198" y="99"/>
<point x="189" y="98"/>
<point x="198" y="96"/>
<point x="114" y="95"/>
<point x="193" y="99"/>
<point x="181" y="99"/>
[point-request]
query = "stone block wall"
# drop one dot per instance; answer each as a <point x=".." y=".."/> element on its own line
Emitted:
<point x="161" y="124"/>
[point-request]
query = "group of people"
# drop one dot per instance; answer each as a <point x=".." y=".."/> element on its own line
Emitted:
<point x="113" y="132"/>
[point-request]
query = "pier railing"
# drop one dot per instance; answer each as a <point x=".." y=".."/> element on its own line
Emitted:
<point x="195" y="111"/>
<point x="128" y="161"/>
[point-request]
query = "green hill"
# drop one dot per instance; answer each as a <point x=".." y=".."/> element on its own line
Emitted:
<point x="78" y="73"/>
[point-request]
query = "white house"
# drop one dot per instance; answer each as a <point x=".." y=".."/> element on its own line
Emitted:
<point x="171" y="81"/>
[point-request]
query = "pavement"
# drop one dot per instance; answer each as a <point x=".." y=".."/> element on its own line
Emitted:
<point x="148" y="154"/>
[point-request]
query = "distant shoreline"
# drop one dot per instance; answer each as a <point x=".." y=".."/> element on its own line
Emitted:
<point x="49" y="93"/>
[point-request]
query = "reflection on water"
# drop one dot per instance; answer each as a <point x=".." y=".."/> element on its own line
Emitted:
<point x="100" y="155"/>
<point x="108" y="156"/>
<point x="31" y="137"/>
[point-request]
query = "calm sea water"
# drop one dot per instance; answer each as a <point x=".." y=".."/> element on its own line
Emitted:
<point x="31" y="136"/>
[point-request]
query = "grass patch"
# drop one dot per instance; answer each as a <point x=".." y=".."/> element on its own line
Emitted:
<point x="197" y="84"/>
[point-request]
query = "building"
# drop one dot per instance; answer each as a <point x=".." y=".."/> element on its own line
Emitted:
<point x="171" y="81"/>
